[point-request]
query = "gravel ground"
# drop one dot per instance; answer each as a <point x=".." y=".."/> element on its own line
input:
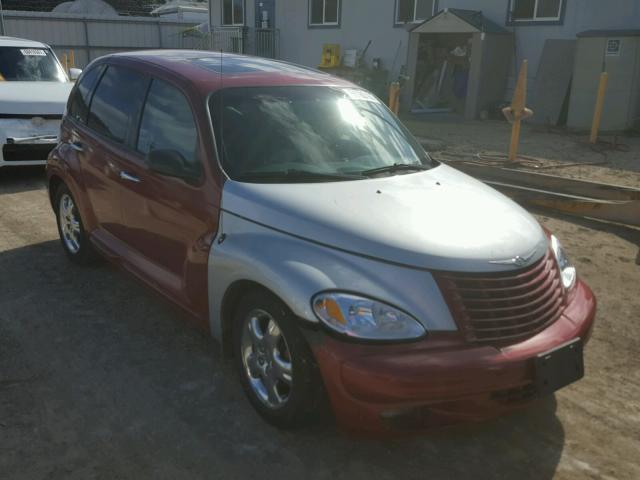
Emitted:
<point x="99" y="378"/>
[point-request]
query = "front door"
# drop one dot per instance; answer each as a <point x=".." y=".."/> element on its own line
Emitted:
<point x="266" y="33"/>
<point x="103" y="141"/>
<point x="266" y="14"/>
<point x="168" y="219"/>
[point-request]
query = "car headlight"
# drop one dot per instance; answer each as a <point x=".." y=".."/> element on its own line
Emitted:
<point x="365" y="318"/>
<point x="567" y="270"/>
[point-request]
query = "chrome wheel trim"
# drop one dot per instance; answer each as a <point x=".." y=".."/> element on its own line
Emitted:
<point x="69" y="223"/>
<point x="266" y="359"/>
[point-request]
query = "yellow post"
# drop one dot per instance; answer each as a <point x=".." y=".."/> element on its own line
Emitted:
<point x="394" y="97"/>
<point x="518" y="105"/>
<point x="72" y="59"/>
<point x="396" y="103"/>
<point x="597" y="114"/>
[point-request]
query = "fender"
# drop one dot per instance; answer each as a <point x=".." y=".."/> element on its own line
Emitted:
<point x="295" y="270"/>
<point x="66" y="166"/>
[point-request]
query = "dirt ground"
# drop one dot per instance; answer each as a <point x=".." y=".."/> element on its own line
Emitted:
<point x="99" y="378"/>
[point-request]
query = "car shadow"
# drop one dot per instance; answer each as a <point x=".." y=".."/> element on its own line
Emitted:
<point x="22" y="179"/>
<point x="106" y="372"/>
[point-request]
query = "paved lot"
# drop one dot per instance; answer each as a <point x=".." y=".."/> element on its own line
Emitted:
<point x="99" y="378"/>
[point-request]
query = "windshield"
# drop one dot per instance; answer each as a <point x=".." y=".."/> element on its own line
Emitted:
<point x="21" y="64"/>
<point x="310" y="133"/>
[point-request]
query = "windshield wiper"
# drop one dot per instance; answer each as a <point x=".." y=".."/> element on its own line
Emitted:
<point x="295" y="174"/>
<point x="396" y="167"/>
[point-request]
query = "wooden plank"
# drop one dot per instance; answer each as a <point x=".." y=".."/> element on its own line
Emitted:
<point x="551" y="183"/>
<point x="555" y="70"/>
<point x="626" y="212"/>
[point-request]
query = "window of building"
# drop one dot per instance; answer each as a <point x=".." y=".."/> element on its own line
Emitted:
<point x="536" y="10"/>
<point x="324" y="12"/>
<point x="116" y="102"/>
<point x="233" y="12"/>
<point x="168" y="124"/>
<point x="412" y="11"/>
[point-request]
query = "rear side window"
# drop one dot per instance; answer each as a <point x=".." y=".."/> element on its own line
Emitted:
<point x="116" y="102"/>
<point x="168" y="124"/>
<point x="79" y="105"/>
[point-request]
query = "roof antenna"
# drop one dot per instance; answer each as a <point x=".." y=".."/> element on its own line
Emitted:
<point x="221" y="149"/>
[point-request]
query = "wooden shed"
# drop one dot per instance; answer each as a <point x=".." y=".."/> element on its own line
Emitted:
<point x="458" y="62"/>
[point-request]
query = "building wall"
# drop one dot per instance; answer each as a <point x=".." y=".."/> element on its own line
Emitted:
<point x="361" y="21"/>
<point x="92" y="36"/>
<point x="580" y="15"/>
<point x="621" y="108"/>
<point x="364" y="20"/>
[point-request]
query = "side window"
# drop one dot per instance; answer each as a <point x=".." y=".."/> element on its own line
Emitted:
<point x="79" y="105"/>
<point x="167" y="124"/>
<point x="116" y="102"/>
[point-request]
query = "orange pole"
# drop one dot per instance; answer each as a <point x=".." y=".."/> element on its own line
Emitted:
<point x="394" y="97"/>
<point x="597" y="114"/>
<point x="72" y="59"/>
<point x="518" y="105"/>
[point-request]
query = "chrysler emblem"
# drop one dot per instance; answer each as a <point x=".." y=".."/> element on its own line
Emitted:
<point x="518" y="261"/>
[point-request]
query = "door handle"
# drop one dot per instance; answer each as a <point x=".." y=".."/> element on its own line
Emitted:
<point x="129" y="178"/>
<point x="77" y="146"/>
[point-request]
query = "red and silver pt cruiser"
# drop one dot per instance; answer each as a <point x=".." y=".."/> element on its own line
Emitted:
<point x="294" y="216"/>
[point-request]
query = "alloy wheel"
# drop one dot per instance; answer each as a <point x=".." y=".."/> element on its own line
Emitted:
<point x="69" y="223"/>
<point x="266" y="359"/>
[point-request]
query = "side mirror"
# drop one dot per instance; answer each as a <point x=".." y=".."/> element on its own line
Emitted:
<point x="171" y="163"/>
<point x="74" y="73"/>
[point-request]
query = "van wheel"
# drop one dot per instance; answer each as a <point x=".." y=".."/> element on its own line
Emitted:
<point x="71" y="229"/>
<point x="276" y="367"/>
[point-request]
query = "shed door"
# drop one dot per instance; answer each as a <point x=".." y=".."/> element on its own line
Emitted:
<point x="265" y="13"/>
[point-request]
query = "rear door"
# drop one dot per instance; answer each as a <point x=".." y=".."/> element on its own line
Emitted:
<point x="168" y="220"/>
<point x="114" y="108"/>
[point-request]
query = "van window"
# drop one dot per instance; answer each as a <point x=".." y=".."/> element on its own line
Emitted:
<point x="28" y="64"/>
<point x="116" y="102"/>
<point x="168" y="124"/>
<point x="79" y="105"/>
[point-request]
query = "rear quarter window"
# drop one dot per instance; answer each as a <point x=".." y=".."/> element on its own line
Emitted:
<point x="117" y="102"/>
<point x="81" y="96"/>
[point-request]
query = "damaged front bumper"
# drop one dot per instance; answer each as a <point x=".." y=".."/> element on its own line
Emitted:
<point x="441" y="380"/>
<point x="27" y="141"/>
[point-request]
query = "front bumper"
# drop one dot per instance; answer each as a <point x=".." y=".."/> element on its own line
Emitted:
<point x="27" y="142"/>
<point x="442" y="379"/>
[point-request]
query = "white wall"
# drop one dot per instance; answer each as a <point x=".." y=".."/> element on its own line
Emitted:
<point x="364" y="20"/>
<point x="580" y="15"/>
<point x="92" y="36"/>
<point x="361" y="21"/>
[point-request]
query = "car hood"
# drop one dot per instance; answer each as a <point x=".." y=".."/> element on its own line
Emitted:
<point x="438" y="219"/>
<point x="34" y="98"/>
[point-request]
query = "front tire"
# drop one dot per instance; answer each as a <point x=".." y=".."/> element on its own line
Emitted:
<point x="73" y="236"/>
<point x="276" y="367"/>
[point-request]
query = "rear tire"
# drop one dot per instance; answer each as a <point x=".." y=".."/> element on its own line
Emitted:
<point x="276" y="366"/>
<point x="73" y="236"/>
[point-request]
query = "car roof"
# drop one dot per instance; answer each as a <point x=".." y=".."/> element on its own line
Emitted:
<point x="210" y="71"/>
<point x="20" y="42"/>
